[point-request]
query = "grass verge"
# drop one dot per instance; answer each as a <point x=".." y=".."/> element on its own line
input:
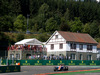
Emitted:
<point x="74" y="73"/>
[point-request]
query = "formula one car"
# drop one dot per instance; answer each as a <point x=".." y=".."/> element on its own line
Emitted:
<point x="61" y="68"/>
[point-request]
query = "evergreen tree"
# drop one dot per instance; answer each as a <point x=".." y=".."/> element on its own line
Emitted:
<point x="20" y="23"/>
<point x="51" y="25"/>
<point x="15" y="7"/>
<point x="76" y="25"/>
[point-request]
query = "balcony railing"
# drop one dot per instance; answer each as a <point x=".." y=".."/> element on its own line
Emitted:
<point x="28" y="48"/>
<point x="72" y="49"/>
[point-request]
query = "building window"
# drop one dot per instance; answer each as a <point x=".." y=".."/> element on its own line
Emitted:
<point x="81" y="46"/>
<point x="89" y="47"/>
<point x="81" y="57"/>
<point x="56" y="36"/>
<point x="17" y="56"/>
<point x="89" y="57"/>
<point x="52" y="46"/>
<point x="73" y="46"/>
<point x="61" y="46"/>
<point x="73" y="57"/>
<point x="11" y="56"/>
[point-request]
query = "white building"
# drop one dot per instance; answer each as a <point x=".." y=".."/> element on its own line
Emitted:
<point x="98" y="0"/>
<point x="87" y="0"/>
<point x="77" y="46"/>
<point x="98" y="49"/>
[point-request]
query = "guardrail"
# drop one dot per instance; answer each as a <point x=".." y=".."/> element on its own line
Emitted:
<point x="5" y="69"/>
<point x="53" y="62"/>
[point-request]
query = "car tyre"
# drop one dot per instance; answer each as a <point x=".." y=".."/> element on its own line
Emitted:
<point x="55" y="69"/>
<point x="66" y="68"/>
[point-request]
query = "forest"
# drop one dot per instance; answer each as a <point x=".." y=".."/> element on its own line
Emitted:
<point x="46" y="16"/>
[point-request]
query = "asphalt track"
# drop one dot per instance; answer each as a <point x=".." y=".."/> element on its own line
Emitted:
<point x="31" y="70"/>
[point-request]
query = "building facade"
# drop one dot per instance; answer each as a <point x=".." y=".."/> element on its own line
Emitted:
<point x="75" y="46"/>
<point x="98" y="49"/>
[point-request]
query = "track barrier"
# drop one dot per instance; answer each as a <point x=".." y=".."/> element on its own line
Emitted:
<point x="6" y="69"/>
<point x="53" y="62"/>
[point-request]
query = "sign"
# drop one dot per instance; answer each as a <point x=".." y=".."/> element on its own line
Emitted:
<point x="6" y="69"/>
<point x="60" y="63"/>
<point x="15" y="70"/>
<point x="92" y="64"/>
<point x="38" y="63"/>
<point x="82" y="63"/>
<point x="71" y="63"/>
<point x="26" y="64"/>
<point x="49" y="63"/>
<point x="54" y="62"/>
<point x="3" y="62"/>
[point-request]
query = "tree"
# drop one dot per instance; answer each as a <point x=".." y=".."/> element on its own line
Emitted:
<point x="66" y="14"/>
<point x="20" y="23"/>
<point x="4" y="41"/>
<point x="31" y="7"/>
<point x="42" y="15"/>
<point x="94" y="29"/>
<point x="41" y="30"/>
<point x="64" y="26"/>
<point x="51" y="25"/>
<point x="57" y="16"/>
<point x="64" y="21"/>
<point x="15" y="7"/>
<point x="24" y="7"/>
<point x="86" y="28"/>
<point x="98" y="13"/>
<point x="6" y="23"/>
<point x="4" y="7"/>
<point x="43" y="9"/>
<point x="35" y="28"/>
<point x="76" y="25"/>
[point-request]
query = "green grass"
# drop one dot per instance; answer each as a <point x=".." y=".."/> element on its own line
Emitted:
<point x="74" y="73"/>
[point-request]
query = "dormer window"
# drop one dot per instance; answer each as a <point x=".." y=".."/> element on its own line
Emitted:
<point x="56" y="36"/>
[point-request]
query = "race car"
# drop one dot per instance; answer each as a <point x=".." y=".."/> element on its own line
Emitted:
<point x="61" y="68"/>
